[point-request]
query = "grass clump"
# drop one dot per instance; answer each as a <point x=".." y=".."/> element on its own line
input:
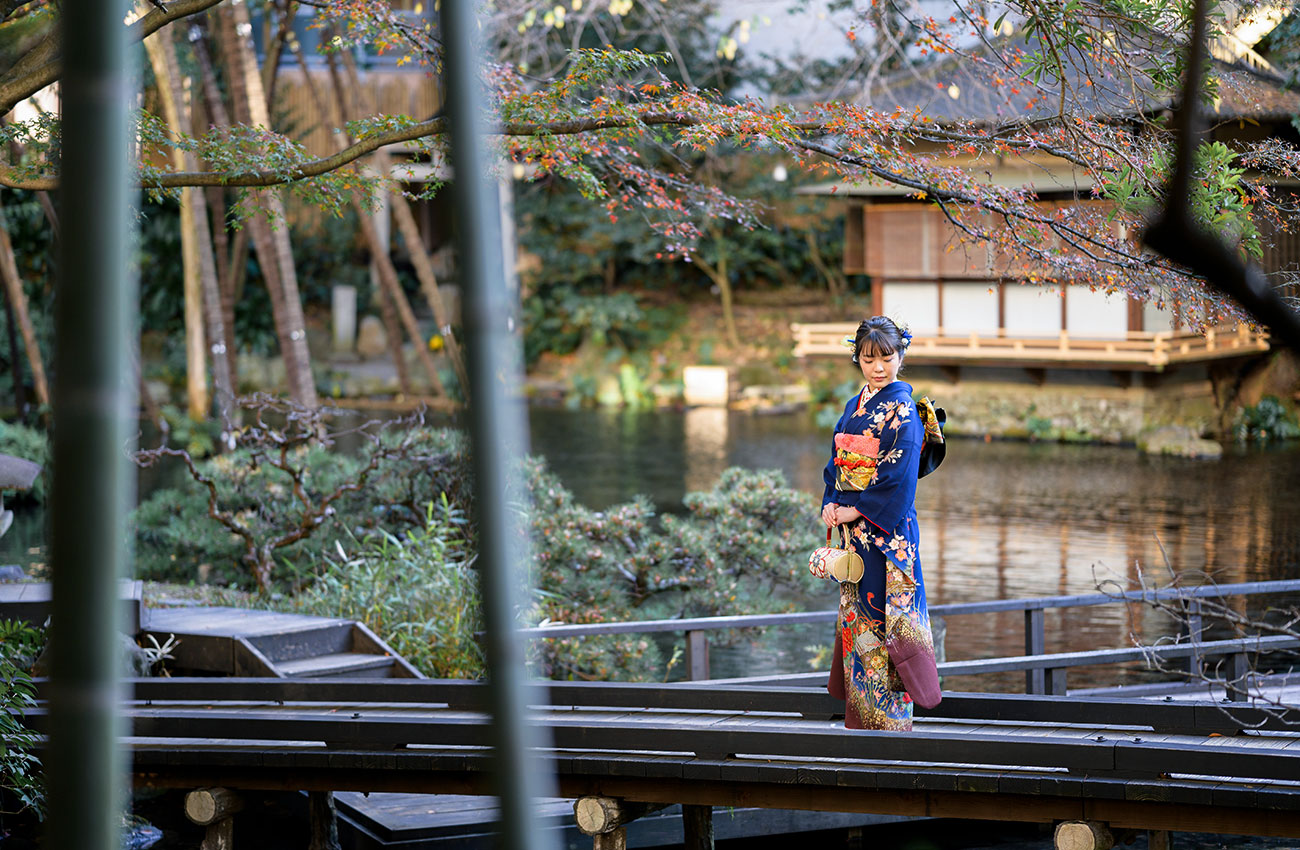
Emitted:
<point x="417" y="590"/>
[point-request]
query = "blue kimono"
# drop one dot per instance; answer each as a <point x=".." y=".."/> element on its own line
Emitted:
<point x="873" y="468"/>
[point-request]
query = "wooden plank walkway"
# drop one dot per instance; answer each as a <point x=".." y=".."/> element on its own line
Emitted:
<point x="1134" y="764"/>
<point x="30" y="601"/>
<point x="251" y="642"/>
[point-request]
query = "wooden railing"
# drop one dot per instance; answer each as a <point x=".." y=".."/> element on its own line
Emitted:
<point x="1135" y="350"/>
<point x="1045" y="673"/>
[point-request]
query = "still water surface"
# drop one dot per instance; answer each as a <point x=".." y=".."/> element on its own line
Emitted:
<point x="998" y="520"/>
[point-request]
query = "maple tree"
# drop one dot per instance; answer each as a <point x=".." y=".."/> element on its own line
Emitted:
<point x="1083" y="81"/>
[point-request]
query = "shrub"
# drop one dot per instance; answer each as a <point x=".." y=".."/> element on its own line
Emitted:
<point x="1268" y="420"/>
<point x="408" y="574"/>
<point x="295" y="503"/>
<point x="417" y="591"/>
<point x="20" y="769"/>
<point x="561" y="319"/>
<point x="739" y="543"/>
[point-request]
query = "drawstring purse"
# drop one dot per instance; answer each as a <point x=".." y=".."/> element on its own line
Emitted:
<point x="835" y="563"/>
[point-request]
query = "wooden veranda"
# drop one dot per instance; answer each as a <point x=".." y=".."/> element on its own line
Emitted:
<point x="1135" y="350"/>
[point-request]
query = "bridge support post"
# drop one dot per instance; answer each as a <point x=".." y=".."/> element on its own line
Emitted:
<point x="323" y="821"/>
<point x="697" y="825"/>
<point x="697" y="655"/>
<point x="1160" y="839"/>
<point x="616" y="840"/>
<point x="1035" y="644"/>
<point x="1239" y="677"/>
<point x="1084" y="835"/>
<point x="214" y="808"/>
<point x="1195" y="632"/>
<point x="605" y="819"/>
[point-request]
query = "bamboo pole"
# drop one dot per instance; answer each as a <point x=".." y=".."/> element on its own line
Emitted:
<point x="499" y="435"/>
<point x="91" y="490"/>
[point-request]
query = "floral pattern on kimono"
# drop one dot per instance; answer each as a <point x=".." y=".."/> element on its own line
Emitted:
<point x="873" y="468"/>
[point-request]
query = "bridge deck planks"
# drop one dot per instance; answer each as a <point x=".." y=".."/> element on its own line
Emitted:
<point x="608" y="749"/>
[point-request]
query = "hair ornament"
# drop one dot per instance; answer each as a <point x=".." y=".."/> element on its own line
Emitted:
<point x="849" y="342"/>
<point x="907" y="337"/>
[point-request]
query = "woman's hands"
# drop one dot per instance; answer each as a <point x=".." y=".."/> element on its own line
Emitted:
<point x="833" y="514"/>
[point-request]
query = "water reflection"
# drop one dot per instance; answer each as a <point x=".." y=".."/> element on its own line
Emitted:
<point x="998" y="520"/>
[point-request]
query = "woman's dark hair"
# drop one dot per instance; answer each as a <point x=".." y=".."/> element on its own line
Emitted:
<point x="879" y="335"/>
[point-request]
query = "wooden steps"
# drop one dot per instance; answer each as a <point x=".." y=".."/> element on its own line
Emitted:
<point x="244" y="642"/>
<point x="358" y="664"/>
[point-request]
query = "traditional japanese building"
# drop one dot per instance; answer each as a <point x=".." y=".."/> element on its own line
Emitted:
<point x="970" y="306"/>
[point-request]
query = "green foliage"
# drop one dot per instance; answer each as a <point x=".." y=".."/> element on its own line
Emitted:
<point x="738" y="544"/>
<point x="197" y="438"/>
<point x="34" y="254"/>
<point x="20" y="769"/>
<point x="328" y="255"/>
<point x="829" y="402"/>
<point x="562" y="319"/>
<point x="1220" y="198"/>
<point x="177" y="539"/>
<point x="29" y="444"/>
<point x="417" y="590"/>
<point x="1266" y="421"/>
<point x="407" y="573"/>
<point x="158" y="253"/>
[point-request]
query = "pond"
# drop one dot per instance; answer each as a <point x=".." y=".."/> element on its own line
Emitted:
<point x="999" y="520"/>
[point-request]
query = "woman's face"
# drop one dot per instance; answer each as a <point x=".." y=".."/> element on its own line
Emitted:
<point x="880" y="370"/>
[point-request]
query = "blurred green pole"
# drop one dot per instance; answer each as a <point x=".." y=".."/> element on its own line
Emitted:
<point x="93" y="396"/>
<point x="498" y="429"/>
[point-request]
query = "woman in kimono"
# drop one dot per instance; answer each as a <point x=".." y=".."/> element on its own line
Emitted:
<point x="871" y="492"/>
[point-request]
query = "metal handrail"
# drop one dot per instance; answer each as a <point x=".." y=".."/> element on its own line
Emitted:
<point x="1039" y="679"/>
<point x="1039" y="603"/>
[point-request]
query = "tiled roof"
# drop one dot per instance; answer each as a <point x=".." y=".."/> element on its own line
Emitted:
<point x="982" y="88"/>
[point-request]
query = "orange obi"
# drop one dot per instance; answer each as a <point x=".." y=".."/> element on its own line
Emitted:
<point x="855" y="461"/>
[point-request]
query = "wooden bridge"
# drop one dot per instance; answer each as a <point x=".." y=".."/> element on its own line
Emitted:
<point x="1158" y="765"/>
<point x="1186" y="763"/>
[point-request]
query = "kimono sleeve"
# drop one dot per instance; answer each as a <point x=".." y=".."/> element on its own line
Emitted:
<point x="893" y="491"/>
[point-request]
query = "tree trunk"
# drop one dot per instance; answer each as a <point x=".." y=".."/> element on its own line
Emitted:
<point x="270" y="232"/>
<point x="380" y="252"/>
<point x="230" y="260"/>
<point x="15" y="360"/>
<point x="202" y="300"/>
<point x="414" y="243"/>
<point x="429" y="286"/>
<point x="718" y="274"/>
<point x="391" y="298"/>
<point x="18" y="300"/>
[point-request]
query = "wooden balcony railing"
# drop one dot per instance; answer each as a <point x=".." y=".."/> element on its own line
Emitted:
<point x="1138" y="350"/>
